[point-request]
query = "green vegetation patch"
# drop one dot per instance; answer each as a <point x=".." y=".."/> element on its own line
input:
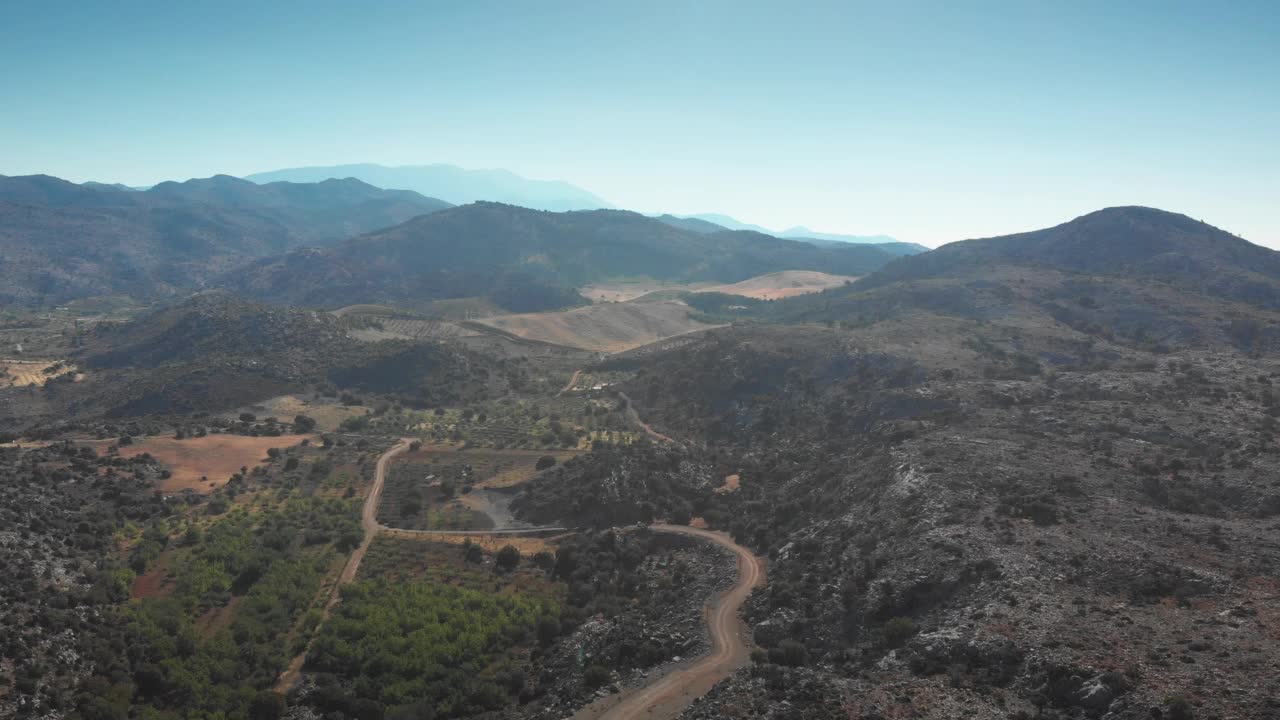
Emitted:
<point x="402" y="644"/>
<point x="261" y="570"/>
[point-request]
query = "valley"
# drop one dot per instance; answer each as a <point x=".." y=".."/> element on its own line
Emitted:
<point x="1001" y="479"/>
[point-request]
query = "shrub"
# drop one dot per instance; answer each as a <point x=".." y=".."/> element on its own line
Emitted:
<point x="545" y="462"/>
<point x="508" y="558"/>
<point x="898" y="630"/>
<point x="596" y="676"/>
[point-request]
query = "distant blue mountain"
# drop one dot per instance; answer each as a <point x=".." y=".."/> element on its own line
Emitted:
<point x="452" y="184"/>
<point x="799" y="232"/>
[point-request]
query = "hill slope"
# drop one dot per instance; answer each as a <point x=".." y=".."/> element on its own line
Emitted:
<point x="313" y="212"/>
<point x="1133" y="242"/>
<point x="454" y="184"/>
<point x="526" y="259"/>
<point x="1136" y="275"/>
<point x="60" y="240"/>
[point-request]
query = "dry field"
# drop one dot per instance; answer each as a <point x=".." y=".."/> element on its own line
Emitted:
<point x="21" y="373"/>
<point x="328" y="415"/>
<point x="787" y="283"/>
<point x="609" y="328"/>
<point x="624" y="291"/>
<point x="215" y="457"/>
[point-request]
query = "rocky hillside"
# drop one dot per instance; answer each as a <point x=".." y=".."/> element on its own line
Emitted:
<point x="214" y="352"/>
<point x="981" y="497"/>
<point x="1127" y="242"/>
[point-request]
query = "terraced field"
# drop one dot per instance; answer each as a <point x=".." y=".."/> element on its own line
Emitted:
<point x="557" y="422"/>
<point x="374" y="328"/>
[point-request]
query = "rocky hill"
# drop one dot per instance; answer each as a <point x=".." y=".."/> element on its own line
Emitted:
<point x="979" y="499"/>
<point x="215" y="352"/>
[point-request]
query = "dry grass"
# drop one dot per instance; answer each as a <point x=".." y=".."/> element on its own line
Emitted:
<point x="787" y="283"/>
<point x="611" y="328"/>
<point x="624" y="291"/>
<point x="328" y="415"/>
<point x="22" y="373"/>
<point x="215" y="457"/>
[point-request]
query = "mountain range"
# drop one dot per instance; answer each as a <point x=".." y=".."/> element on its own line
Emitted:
<point x="451" y="183"/>
<point x="529" y="258"/>
<point x="60" y="240"/>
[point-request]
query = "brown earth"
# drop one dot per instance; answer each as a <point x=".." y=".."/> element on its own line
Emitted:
<point x="611" y="328"/>
<point x="216" y="457"/>
<point x="22" y="373"/>
<point x="787" y="283"/>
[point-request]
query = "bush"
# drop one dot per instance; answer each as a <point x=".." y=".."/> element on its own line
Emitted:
<point x="266" y="705"/>
<point x="545" y="462"/>
<point x="247" y="417"/>
<point x="898" y="630"/>
<point x="596" y="676"/>
<point x="508" y="558"/>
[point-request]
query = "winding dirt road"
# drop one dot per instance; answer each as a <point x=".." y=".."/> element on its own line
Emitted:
<point x="671" y="692"/>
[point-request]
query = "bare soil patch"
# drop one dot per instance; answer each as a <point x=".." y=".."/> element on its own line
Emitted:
<point x="215" y="457"/>
<point x="23" y="373"/>
<point x="787" y="283"/>
<point x="328" y="414"/>
<point x="611" y="327"/>
<point x="731" y="484"/>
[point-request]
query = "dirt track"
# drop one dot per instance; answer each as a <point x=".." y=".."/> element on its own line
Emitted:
<point x="671" y="692"/>
<point x="368" y="521"/>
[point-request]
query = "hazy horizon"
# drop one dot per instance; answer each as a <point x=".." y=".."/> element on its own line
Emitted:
<point x="930" y="123"/>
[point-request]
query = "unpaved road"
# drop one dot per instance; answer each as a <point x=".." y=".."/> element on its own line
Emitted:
<point x="674" y="690"/>
<point x="572" y="381"/>
<point x="635" y="416"/>
<point x="368" y="521"/>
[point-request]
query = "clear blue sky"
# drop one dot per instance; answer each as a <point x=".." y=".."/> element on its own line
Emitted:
<point x="928" y="121"/>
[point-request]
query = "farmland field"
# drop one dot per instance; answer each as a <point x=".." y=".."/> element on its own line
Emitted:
<point x="327" y="413"/>
<point x="609" y="327"/>
<point x="22" y="373"/>
<point x="204" y="463"/>
<point x="545" y="423"/>
<point x="447" y="489"/>
<point x="787" y="283"/>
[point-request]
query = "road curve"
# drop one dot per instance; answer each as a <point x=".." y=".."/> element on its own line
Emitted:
<point x="731" y="647"/>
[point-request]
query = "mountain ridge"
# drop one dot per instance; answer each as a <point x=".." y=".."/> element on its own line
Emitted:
<point x="451" y="183"/>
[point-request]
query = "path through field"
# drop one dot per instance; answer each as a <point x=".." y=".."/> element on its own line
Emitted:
<point x="673" y="691"/>
<point x="369" y="522"/>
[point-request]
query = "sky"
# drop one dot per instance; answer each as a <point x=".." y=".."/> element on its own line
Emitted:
<point x="928" y="121"/>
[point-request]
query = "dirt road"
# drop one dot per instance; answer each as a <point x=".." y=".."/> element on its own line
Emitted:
<point x="671" y="692"/>
<point x="635" y="416"/>
<point x="369" y="522"/>
<point x="572" y="381"/>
